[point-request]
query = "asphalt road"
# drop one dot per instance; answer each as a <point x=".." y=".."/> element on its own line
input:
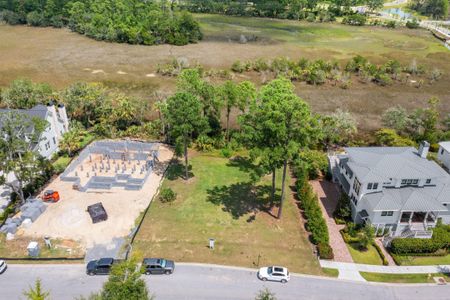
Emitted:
<point x="209" y="282"/>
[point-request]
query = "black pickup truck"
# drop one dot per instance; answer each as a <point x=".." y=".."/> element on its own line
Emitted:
<point x="101" y="266"/>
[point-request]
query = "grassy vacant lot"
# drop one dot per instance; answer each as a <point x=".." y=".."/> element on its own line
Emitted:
<point x="370" y="257"/>
<point x="402" y="278"/>
<point x="221" y="202"/>
<point x="61" y="57"/>
<point x="17" y="248"/>
<point x="424" y="260"/>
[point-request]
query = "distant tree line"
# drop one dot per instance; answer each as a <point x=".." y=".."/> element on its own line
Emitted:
<point x="437" y="9"/>
<point x="123" y="21"/>
<point x="282" y="9"/>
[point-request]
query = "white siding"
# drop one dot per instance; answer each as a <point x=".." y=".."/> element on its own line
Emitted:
<point x="444" y="157"/>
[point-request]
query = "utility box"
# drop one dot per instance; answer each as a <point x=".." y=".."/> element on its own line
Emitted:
<point x="33" y="249"/>
<point x="211" y="243"/>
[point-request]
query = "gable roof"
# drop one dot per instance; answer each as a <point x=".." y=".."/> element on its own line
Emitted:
<point x="382" y="163"/>
<point x="38" y="111"/>
<point x="406" y="199"/>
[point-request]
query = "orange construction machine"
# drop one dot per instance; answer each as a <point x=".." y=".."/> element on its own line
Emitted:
<point x="50" y="196"/>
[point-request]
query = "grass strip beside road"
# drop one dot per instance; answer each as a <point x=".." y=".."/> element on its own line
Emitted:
<point x="402" y="278"/>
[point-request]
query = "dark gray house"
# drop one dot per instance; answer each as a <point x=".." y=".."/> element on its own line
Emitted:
<point x="396" y="189"/>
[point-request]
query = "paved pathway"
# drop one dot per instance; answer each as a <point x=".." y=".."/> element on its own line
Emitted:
<point x="350" y="267"/>
<point x="328" y="194"/>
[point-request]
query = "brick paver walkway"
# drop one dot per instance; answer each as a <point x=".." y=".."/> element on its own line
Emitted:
<point x="328" y="194"/>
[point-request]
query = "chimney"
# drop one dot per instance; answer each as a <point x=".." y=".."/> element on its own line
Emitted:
<point x="51" y="108"/>
<point x="423" y="149"/>
<point x="63" y="115"/>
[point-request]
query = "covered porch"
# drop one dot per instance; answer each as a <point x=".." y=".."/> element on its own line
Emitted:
<point x="417" y="224"/>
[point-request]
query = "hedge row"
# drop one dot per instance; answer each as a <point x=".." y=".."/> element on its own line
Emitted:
<point x="380" y="252"/>
<point x="325" y="251"/>
<point x="440" y="240"/>
<point x="316" y="224"/>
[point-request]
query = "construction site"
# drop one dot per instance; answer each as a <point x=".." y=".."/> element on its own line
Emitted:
<point x="119" y="177"/>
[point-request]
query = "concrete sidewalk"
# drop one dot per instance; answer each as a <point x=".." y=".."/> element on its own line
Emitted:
<point x="350" y="267"/>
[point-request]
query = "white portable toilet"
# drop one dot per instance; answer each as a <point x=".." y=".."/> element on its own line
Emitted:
<point x="33" y="249"/>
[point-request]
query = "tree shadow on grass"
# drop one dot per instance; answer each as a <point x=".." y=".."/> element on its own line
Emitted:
<point x="242" y="198"/>
<point x="246" y="165"/>
<point x="176" y="170"/>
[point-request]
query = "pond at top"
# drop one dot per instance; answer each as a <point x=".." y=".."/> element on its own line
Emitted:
<point x="399" y="12"/>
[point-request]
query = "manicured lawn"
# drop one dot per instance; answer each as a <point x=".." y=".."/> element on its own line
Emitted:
<point x="370" y="257"/>
<point x="424" y="260"/>
<point x="402" y="278"/>
<point x="330" y="272"/>
<point x="61" y="163"/>
<point x="221" y="202"/>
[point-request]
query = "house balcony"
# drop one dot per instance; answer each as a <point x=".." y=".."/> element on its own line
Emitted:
<point x="416" y="225"/>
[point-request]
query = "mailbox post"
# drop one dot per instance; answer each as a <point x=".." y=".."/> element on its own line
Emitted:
<point x="211" y="243"/>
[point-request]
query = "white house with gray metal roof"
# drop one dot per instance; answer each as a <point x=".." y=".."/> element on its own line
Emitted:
<point x="58" y="124"/>
<point x="444" y="154"/>
<point x="397" y="189"/>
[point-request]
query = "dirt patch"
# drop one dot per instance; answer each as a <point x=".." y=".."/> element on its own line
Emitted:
<point x="69" y="219"/>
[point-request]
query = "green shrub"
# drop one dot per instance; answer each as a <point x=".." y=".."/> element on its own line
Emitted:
<point x="380" y="252"/>
<point x="35" y="18"/>
<point x="366" y="236"/>
<point x="355" y="20"/>
<point x="348" y="238"/>
<point x="9" y="17"/>
<point x="226" y="152"/>
<point x="412" y="24"/>
<point x="260" y="65"/>
<point x="310" y="204"/>
<point x="391" y="24"/>
<point x="383" y="79"/>
<point x="315" y="162"/>
<point x="61" y="164"/>
<point x="408" y="246"/>
<point x="237" y="67"/>
<point x="204" y="143"/>
<point x="325" y="251"/>
<point x="440" y="240"/>
<point x="343" y="209"/>
<point x="311" y="17"/>
<point x="167" y="195"/>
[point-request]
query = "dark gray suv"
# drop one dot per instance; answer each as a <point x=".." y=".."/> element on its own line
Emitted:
<point x="157" y="266"/>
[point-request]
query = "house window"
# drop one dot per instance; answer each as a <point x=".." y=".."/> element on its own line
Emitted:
<point x="387" y="213"/>
<point x="442" y="151"/>
<point x="369" y="186"/>
<point x="428" y="181"/>
<point x="410" y="181"/>
<point x="54" y="140"/>
<point x="405" y="217"/>
<point x="375" y="186"/>
<point x="356" y="186"/>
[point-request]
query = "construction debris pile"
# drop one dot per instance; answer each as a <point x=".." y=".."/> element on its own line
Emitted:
<point x="29" y="212"/>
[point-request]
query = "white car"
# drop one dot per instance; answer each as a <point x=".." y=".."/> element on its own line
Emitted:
<point x="2" y="266"/>
<point x="274" y="273"/>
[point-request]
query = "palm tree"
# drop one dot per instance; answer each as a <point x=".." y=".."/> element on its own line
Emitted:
<point x="36" y="292"/>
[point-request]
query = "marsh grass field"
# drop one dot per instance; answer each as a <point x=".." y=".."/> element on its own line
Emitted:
<point x="61" y="57"/>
